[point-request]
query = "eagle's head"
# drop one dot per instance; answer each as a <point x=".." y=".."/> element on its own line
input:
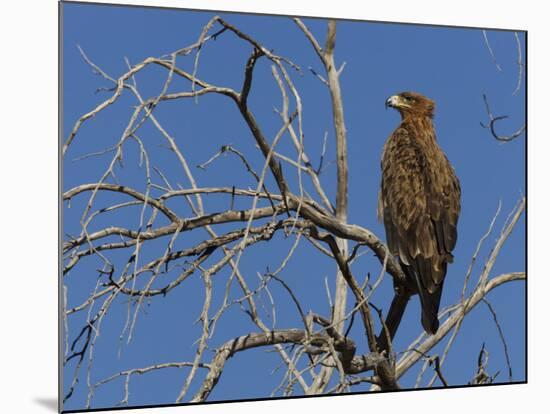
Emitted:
<point x="411" y="103"/>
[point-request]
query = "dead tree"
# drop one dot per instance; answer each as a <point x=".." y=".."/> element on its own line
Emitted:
<point x="321" y="342"/>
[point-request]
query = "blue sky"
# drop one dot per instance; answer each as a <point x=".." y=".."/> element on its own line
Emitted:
<point x="451" y="66"/>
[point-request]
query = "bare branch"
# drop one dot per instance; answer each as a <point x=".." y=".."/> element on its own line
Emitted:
<point x="495" y="119"/>
<point x="254" y="340"/>
<point x="121" y="189"/>
<point x="490" y="50"/>
<point x="437" y="369"/>
<point x="479" y="293"/>
<point x="501" y="335"/>
<point x="311" y="38"/>
<point x="520" y="65"/>
<point x="339" y="123"/>
<point x="482" y="377"/>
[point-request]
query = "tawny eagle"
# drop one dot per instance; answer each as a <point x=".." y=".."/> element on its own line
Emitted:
<point x="420" y="204"/>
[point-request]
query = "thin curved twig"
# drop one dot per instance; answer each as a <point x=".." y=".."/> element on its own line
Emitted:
<point x="494" y="119"/>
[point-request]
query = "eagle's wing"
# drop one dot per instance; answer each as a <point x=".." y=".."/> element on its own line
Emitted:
<point x="420" y="203"/>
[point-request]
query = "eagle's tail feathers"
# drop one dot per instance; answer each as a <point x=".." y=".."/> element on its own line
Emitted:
<point x="430" y="308"/>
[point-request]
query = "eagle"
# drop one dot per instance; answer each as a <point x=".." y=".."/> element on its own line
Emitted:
<point x="419" y="204"/>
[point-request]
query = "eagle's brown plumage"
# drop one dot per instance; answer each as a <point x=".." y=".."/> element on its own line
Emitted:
<point x="419" y="203"/>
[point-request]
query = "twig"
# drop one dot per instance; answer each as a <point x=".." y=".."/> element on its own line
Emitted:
<point x="501" y="335"/>
<point x="520" y="65"/>
<point x="491" y="50"/>
<point x="437" y="369"/>
<point x="494" y="119"/>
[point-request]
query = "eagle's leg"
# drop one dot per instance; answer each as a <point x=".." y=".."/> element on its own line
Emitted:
<point x="393" y="319"/>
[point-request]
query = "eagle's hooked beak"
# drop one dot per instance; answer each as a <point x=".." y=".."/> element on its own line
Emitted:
<point x="392" y="101"/>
